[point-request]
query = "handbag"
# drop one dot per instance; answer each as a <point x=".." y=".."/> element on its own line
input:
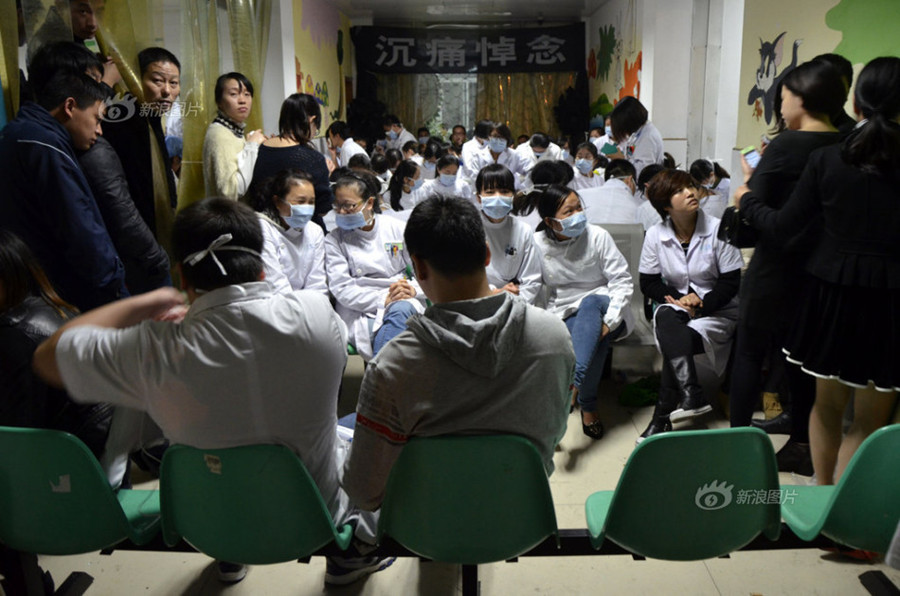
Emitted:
<point x="735" y="230"/>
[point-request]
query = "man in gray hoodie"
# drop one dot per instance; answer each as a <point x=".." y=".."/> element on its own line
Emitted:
<point x="475" y="363"/>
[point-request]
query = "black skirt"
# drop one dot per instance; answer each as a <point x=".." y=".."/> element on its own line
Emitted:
<point x="848" y="333"/>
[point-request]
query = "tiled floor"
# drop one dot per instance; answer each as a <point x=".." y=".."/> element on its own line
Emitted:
<point x="582" y="467"/>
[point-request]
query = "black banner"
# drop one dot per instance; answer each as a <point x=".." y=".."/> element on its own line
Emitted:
<point x="542" y="49"/>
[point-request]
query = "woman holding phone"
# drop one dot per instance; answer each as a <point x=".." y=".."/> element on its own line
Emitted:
<point x="771" y="284"/>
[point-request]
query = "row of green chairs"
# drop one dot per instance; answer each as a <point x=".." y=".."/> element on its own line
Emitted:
<point x="467" y="500"/>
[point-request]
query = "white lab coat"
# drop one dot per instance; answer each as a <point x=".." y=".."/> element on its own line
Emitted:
<point x="514" y="256"/>
<point x="707" y="258"/>
<point x="611" y="203"/>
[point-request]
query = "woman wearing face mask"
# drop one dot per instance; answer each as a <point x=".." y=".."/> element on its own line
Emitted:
<point x="714" y="184"/>
<point x="448" y="182"/>
<point x="293" y="252"/>
<point x="694" y="277"/>
<point x="589" y="288"/>
<point x="515" y="265"/>
<point x="291" y="149"/>
<point x="229" y="156"/>
<point x="498" y="151"/>
<point x="587" y="167"/>
<point x="405" y="187"/>
<point x="639" y="141"/>
<point x="370" y="273"/>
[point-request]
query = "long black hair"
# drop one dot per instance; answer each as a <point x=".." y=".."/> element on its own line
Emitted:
<point x="548" y="203"/>
<point x="405" y="169"/>
<point x="22" y="276"/>
<point x="875" y="146"/>
<point x="277" y="187"/>
<point x="293" y="122"/>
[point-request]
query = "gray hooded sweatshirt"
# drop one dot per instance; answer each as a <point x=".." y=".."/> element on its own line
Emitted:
<point x="487" y="366"/>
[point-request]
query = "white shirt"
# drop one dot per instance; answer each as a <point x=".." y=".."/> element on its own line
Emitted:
<point x="589" y="264"/>
<point x="348" y="150"/>
<point x="526" y="151"/>
<point x="707" y="258"/>
<point x="361" y="265"/>
<point x="647" y="215"/>
<point x="469" y="149"/>
<point x="246" y="366"/>
<point x="581" y="182"/>
<point x="460" y="188"/>
<point x="611" y="203"/>
<point x="508" y="158"/>
<point x="294" y="259"/>
<point x="403" y="137"/>
<point x="643" y="148"/>
<point x="514" y="256"/>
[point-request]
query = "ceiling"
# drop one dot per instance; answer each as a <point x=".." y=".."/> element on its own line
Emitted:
<point x="421" y="13"/>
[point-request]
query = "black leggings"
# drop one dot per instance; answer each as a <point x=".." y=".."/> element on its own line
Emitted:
<point x="674" y="336"/>
<point x="753" y="343"/>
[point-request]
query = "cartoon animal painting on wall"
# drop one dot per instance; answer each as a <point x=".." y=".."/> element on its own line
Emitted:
<point x="768" y="76"/>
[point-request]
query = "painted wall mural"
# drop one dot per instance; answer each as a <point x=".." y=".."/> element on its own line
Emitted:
<point x="614" y="58"/>
<point x="776" y="40"/>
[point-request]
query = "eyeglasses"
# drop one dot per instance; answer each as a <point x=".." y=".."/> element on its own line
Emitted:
<point x="347" y="207"/>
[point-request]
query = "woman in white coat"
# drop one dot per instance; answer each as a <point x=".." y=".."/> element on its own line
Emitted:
<point x="639" y="141"/>
<point x="369" y="270"/>
<point x="293" y="252"/>
<point x="695" y="278"/>
<point x="589" y="288"/>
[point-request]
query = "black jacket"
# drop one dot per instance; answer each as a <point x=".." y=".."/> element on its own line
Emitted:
<point x="27" y="401"/>
<point x="146" y="263"/>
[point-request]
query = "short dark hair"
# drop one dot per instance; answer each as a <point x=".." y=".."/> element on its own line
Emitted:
<point x="495" y="176"/>
<point x="243" y="82"/>
<point x="434" y="149"/>
<point x="551" y="172"/>
<point x="627" y="117"/>
<point x="54" y="57"/>
<point x="65" y="84"/>
<point x="647" y="174"/>
<point x="453" y="130"/>
<point x="619" y="168"/>
<point x="590" y="148"/>
<point x="277" y="187"/>
<point x="446" y="160"/>
<point x="841" y="64"/>
<point x="340" y="128"/>
<point x="365" y="184"/>
<point x="421" y="128"/>
<point x="293" y="121"/>
<point x="483" y="128"/>
<point x="359" y="161"/>
<point x="148" y="56"/>
<point x="394" y="157"/>
<point x="504" y="131"/>
<point x="411" y="146"/>
<point x="539" y="139"/>
<point x="390" y="120"/>
<point x="701" y="170"/>
<point x="447" y="233"/>
<point x="819" y="86"/>
<point x="379" y="163"/>
<point x="666" y="184"/>
<point x="199" y="224"/>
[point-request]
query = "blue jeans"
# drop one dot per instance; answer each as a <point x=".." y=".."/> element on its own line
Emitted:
<point x="586" y="327"/>
<point x="394" y="323"/>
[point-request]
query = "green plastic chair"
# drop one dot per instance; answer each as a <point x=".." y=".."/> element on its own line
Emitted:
<point x="863" y="509"/>
<point x="691" y="495"/>
<point x="57" y="501"/>
<point x="254" y="505"/>
<point x="468" y="499"/>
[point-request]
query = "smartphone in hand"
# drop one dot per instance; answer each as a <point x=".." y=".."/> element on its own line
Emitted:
<point x="751" y="155"/>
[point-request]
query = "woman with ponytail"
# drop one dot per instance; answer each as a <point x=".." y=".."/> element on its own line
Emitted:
<point x="846" y="332"/>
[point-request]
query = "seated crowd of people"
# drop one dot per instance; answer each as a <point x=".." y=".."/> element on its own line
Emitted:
<point x="474" y="276"/>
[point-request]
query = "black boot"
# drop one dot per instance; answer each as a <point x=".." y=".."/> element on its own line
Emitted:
<point x="659" y="423"/>
<point x="779" y="425"/>
<point x="691" y="399"/>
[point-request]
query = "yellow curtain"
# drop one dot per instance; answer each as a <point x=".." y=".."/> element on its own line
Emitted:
<point x="413" y="98"/>
<point x="9" y="59"/>
<point x="523" y="101"/>
<point x="121" y="40"/>
<point x="249" y="53"/>
<point x="199" y="70"/>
